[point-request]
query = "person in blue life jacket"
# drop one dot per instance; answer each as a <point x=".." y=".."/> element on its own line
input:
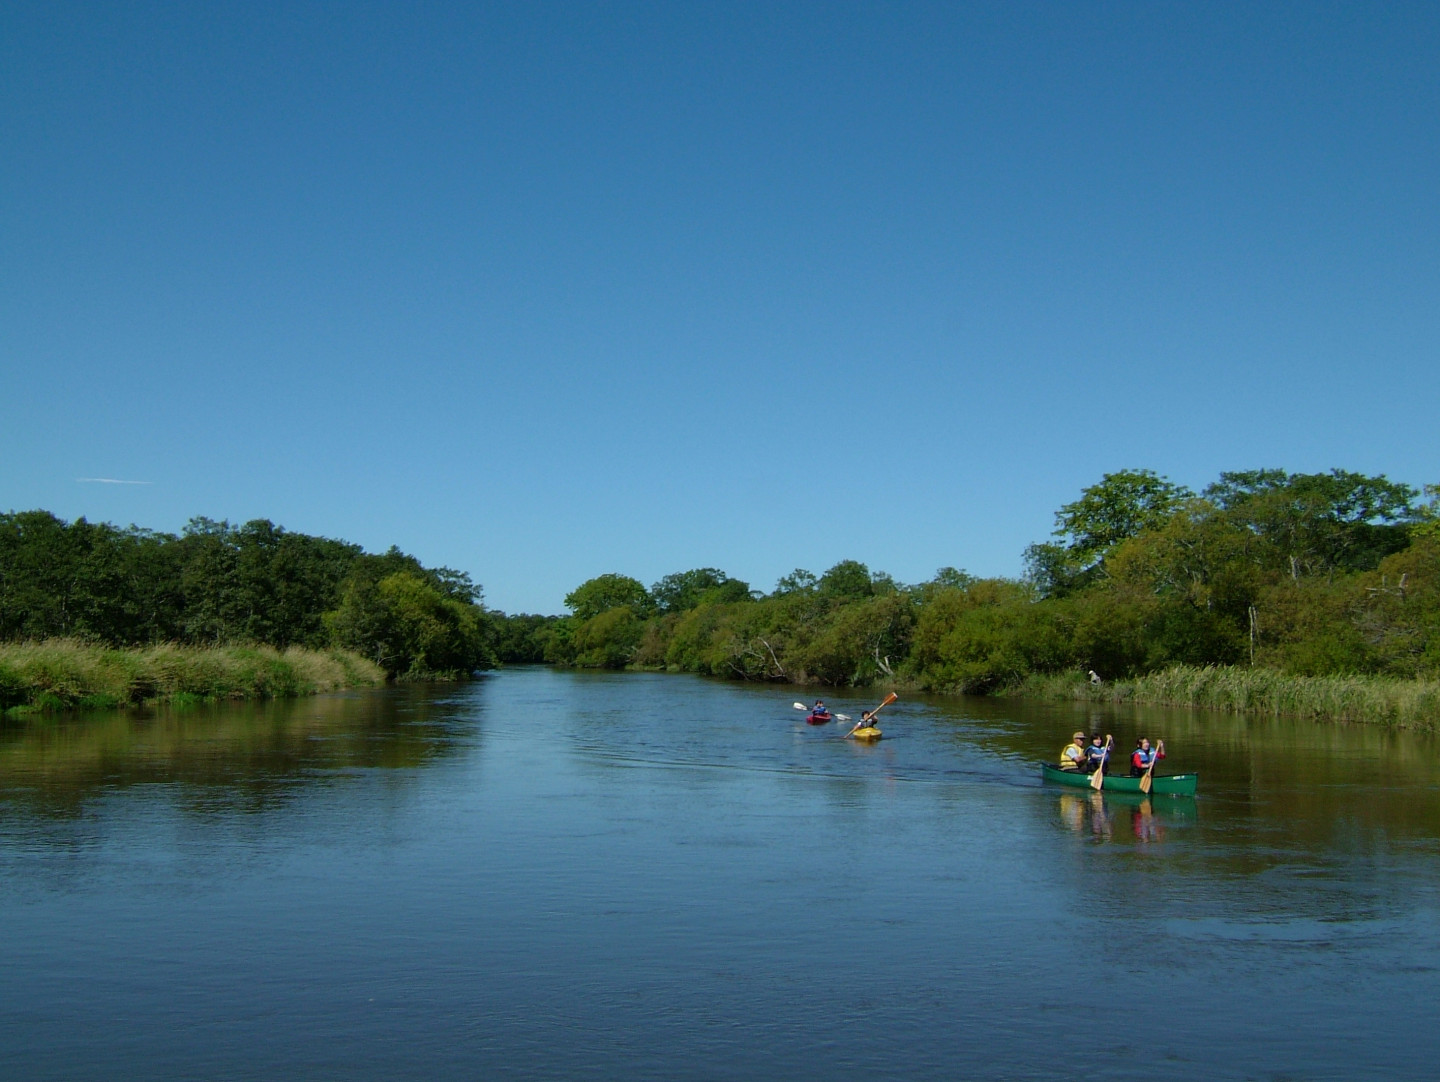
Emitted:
<point x="819" y="711"/>
<point x="1144" y="755"/>
<point x="1095" y="754"/>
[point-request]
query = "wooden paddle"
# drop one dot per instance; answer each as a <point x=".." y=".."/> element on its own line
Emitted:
<point x="869" y="719"/>
<point x="1097" y="779"/>
<point x="1154" y="758"/>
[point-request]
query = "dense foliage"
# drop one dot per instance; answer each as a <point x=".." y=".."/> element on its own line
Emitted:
<point x="59" y="674"/>
<point x="1308" y="574"/>
<point x="220" y="584"/>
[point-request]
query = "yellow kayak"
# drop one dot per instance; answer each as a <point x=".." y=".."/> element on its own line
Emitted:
<point x="869" y="732"/>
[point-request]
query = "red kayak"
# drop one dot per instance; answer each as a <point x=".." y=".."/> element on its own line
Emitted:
<point x="819" y="719"/>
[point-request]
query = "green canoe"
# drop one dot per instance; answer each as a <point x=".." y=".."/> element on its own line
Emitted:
<point x="1166" y="784"/>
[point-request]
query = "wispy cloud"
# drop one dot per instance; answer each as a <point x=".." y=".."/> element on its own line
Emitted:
<point x="109" y="481"/>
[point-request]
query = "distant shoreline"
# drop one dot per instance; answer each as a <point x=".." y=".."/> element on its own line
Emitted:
<point x="1354" y="699"/>
<point x="66" y="674"/>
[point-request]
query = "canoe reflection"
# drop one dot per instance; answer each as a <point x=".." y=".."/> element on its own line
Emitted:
<point x="1097" y="814"/>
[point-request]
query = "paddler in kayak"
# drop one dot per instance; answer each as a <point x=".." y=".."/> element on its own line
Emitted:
<point x="1144" y="755"/>
<point x="819" y="714"/>
<point x="1073" y="757"/>
<point x="865" y="728"/>
<point x="865" y="722"/>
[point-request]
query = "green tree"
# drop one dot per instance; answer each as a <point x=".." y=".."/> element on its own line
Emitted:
<point x="1199" y="562"/>
<point x="1319" y="523"/>
<point x="1053" y="570"/>
<point x="953" y="578"/>
<point x="798" y="581"/>
<point x="685" y="590"/>
<point x="847" y="580"/>
<point x="519" y="638"/>
<point x="285" y="582"/>
<point x="410" y="628"/>
<point x="209" y="557"/>
<point x="946" y="578"/>
<point x="1427" y="517"/>
<point x="1119" y="507"/>
<point x="609" y="639"/>
<point x="606" y="592"/>
<point x="38" y="567"/>
<point x="989" y="635"/>
<point x="557" y="641"/>
<point x="861" y="642"/>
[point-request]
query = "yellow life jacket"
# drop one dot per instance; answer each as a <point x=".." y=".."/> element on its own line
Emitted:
<point x="1066" y="762"/>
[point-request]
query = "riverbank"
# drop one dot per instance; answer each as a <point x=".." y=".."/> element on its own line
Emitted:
<point x="1373" y="700"/>
<point x="64" y="674"/>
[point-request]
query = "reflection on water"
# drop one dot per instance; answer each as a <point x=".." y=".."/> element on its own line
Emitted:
<point x="245" y="755"/>
<point x="1148" y="818"/>
<point x="568" y="875"/>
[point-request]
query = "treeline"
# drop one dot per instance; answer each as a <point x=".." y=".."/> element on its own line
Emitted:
<point x="1306" y="574"/>
<point x="217" y="584"/>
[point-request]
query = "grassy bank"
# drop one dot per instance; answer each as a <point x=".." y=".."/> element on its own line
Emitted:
<point x="60" y="674"/>
<point x="1377" y="700"/>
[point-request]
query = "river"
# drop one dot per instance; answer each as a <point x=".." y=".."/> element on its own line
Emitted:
<point x="558" y="875"/>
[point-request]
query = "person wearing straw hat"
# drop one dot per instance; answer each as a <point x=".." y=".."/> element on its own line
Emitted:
<point x="1073" y="757"/>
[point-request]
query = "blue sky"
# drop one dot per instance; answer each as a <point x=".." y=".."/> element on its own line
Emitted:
<point x="544" y="291"/>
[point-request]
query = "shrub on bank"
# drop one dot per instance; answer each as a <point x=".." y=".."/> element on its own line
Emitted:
<point x="1408" y="704"/>
<point x="65" y="673"/>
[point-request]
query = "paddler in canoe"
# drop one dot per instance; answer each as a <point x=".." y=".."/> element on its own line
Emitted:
<point x="1141" y="778"/>
<point x="1096" y="757"/>
<point x="1144" y="757"/>
<point x="1077" y="758"/>
<point x="1073" y="756"/>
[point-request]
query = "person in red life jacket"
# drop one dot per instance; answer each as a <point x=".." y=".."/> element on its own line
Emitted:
<point x="820" y="713"/>
<point x="1144" y="755"/>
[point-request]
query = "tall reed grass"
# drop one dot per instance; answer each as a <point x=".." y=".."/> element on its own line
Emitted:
<point x="1406" y="704"/>
<point x="59" y="674"/>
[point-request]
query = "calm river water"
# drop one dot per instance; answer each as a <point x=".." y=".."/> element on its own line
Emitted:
<point x="550" y="875"/>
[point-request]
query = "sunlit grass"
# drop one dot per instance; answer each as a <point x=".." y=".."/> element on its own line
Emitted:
<point x="59" y="674"/>
<point x="1408" y="704"/>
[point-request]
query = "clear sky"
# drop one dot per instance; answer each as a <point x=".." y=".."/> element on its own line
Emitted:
<point x="540" y="291"/>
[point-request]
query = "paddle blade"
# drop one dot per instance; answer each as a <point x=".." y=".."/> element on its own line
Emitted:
<point x="800" y="706"/>
<point x="842" y="717"/>
<point x="886" y="702"/>
<point x="1145" y="784"/>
